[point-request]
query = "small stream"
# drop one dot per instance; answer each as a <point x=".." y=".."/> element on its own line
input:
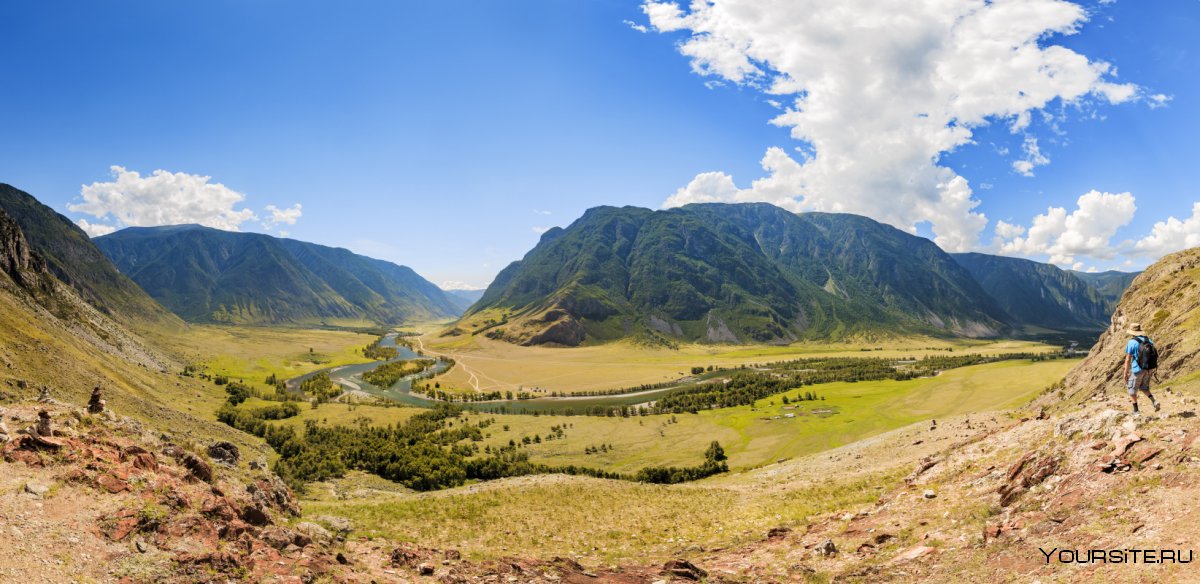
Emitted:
<point x="350" y="377"/>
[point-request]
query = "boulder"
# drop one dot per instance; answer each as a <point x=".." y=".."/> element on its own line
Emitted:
<point x="225" y="453"/>
<point x="913" y="553"/>
<point x="255" y="514"/>
<point x="684" y="569"/>
<point x="277" y="537"/>
<point x="37" y="489"/>
<point x="197" y="467"/>
<point x="340" y="525"/>
<point x="315" y="533"/>
<point x="827" y="548"/>
<point x="929" y="494"/>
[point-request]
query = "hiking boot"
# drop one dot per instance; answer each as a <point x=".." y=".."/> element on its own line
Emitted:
<point x="1157" y="406"/>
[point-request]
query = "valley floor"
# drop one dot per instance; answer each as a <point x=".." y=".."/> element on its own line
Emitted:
<point x="487" y="365"/>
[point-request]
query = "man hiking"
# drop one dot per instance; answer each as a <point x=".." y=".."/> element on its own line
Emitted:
<point x="1141" y="359"/>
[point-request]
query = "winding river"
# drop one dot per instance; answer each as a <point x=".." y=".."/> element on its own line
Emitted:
<point x="350" y="378"/>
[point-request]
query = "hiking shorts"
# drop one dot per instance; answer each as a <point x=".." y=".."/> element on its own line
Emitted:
<point x="1139" y="380"/>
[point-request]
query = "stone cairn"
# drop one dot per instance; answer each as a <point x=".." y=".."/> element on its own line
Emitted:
<point x="96" y="403"/>
<point x="4" y="437"/>
<point x="43" y="425"/>
<point x="44" y="396"/>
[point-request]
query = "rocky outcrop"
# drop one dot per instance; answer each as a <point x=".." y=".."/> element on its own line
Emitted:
<point x="19" y="262"/>
<point x="225" y="453"/>
<point x="1165" y="300"/>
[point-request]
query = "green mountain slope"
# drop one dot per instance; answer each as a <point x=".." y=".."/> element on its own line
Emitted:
<point x="1111" y="285"/>
<point x="74" y="259"/>
<point x="209" y="275"/>
<point x="729" y="273"/>
<point x="1038" y="294"/>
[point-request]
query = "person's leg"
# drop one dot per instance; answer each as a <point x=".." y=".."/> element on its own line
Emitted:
<point x="1144" y="385"/>
<point x="1131" y="387"/>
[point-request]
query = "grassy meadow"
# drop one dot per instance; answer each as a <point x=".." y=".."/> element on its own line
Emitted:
<point x="596" y="521"/>
<point x="751" y="435"/>
<point x="486" y="365"/>
<point x="253" y="353"/>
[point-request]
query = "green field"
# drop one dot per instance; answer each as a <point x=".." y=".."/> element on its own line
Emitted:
<point x="253" y="353"/>
<point x="863" y="409"/>
<point x="751" y="435"/>
<point x="487" y="365"/>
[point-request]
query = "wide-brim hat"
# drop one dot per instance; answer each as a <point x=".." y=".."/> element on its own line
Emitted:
<point x="1135" y="329"/>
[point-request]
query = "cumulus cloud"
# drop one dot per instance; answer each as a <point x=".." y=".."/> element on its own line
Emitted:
<point x="279" y="216"/>
<point x="1172" y="235"/>
<point x="877" y="91"/>
<point x="169" y="198"/>
<point x="95" y="229"/>
<point x="1086" y="231"/>
<point x="163" y="198"/>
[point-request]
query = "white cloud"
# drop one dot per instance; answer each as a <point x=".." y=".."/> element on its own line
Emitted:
<point x="95" y="229"/>
<point x="1007" y="230"/>
<point x="636" y="26"/>
<point x="1172" y="235"/>
<point x="1086" y="231"/>
<point x="163" y="198"/>
<point x="458" y="285"/>
<point x="880" y="90"/>
<point x="1033" y="157"/>
<point x="281" y="216"/>
<point x="541" y="212"/>
<point x="540" y="230"/>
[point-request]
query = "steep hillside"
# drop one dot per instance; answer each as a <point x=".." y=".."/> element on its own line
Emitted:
<point x="1165" y="300"/>
<point x="208" y="275"/>
<point x="71" y="256"/>
<point x="50" y="338"/>
<point x="1038" y="294"/>
<point x="729" y="273"/>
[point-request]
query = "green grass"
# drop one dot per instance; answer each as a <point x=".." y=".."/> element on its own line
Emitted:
<point x="489" y="365"/>
<point x="863" y="409"/>
<point x="253" y="353"/>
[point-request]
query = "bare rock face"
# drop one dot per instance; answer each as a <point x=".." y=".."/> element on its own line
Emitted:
<point x="19" y="261"/>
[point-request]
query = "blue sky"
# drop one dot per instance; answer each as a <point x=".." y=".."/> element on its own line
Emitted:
<point x="445" y="135"/>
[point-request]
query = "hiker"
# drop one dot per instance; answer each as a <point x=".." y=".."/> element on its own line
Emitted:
<point x="1141" y="359"/>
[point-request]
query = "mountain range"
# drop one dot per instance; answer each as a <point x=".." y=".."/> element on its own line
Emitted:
<point x="209" y="275"/>
<point x="729" y="273"/>
<point x="759" y="273"/>
<point x="74" y="260"/>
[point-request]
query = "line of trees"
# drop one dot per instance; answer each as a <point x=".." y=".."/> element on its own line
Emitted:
<point x="432" y="450"/>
